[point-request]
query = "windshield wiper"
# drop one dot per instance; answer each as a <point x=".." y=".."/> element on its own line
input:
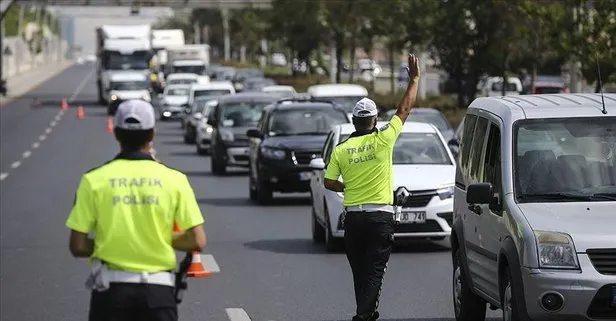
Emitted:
<point x="572" y="196"/>
<point x="310" y="133"/>
<point x="606" y="196"/>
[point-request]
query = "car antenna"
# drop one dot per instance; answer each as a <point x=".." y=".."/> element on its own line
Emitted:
<point x="604" y="111"/>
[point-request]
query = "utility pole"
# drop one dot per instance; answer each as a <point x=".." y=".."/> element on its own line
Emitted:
<point x="196" y="33"/>
<point x="226" y="32"/>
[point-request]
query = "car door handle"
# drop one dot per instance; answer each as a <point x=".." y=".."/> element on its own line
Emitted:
<point x="475" y="209"/>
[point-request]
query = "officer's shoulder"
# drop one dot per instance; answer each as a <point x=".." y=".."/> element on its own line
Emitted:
<point x="95" y="169"/>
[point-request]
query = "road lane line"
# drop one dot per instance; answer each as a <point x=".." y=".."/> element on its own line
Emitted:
<point x="3" y="176"/>
<point x="35" y="145"/>
<point x="53" y="123"/>
<point x="209" y="263"/>
<point x="81" y="86"/>
<point x="237" y="314"/>
<point x="15" y="164"/>
<point x="26" y="154"/>
<point x="42" y="137"/>
<point x="48" y="130"/>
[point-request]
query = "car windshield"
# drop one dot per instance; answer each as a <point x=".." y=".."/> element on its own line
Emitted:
<point x="346" y="102"/>
<point x="305" y="121"/>
<point x="199" y="70"/>
<point x="177" y="92"/>
<point x="114" y="60"/>
<point x="249" y="73"/>
<point x="202" y="106"/>
<point x="182" y="81"/>
<point x="435" y="119"/>
<point x="211" y="92"/>
<point x="566" y="159"/>
<point x="418" y="149"/>
<point x="241" y="114"/>
<point x="129" y="85"/>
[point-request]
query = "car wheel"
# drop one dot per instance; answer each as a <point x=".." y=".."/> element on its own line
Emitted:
<point x="318" y="232"/>
<point x="218" y="167"/>
<point x="264" y="192"/>
<point x="252" y="189"/>
<point x="509" y="302"/>
<point x="332" y="244"/>
<point x="467" y="305"/>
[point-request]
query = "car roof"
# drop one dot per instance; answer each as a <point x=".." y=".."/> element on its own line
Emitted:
<point x="304" y="104"/>
<point x="182" y="75"/>
<point x="212" y="85"/>
<point x="250" y="96"/>
<point x="512" y="108"/>
<point x="333" y="90"/>
<point x="408" y="127"/>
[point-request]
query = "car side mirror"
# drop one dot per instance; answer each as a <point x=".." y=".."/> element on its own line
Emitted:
<point x="453" y="143"/>
<point x="480" y="193"/>
<point x="253" y="133"/>
<point x="317" y="163"/>
<point x="198" y="115"/>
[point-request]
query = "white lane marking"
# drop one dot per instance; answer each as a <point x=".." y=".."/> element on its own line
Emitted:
<point x="209" y="263"/>
<point x="15" y="164"/>
<point x="53" y="123"/>
<point x="81" y="86"/>
<point x="48" y="130"/>
<point x="26" y="154"/>
<point x="237" y="314"/>
<point x="42" y="137"/>
<point x="3" y="176"/>
<point x="35" y="145"/>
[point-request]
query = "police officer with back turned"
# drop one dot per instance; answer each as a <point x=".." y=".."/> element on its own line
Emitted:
<point x="130" y="204"/>
<point x="364" y="161"/>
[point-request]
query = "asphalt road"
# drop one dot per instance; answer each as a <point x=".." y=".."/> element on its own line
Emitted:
<point x="269" y="269"/>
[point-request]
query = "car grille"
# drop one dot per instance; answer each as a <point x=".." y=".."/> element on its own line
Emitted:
<point x="601" y="305"/>
<point x="304" y="157"/>
<point x="427" y="227"/>
<point x="604" y="260"/>
<point x="418" y="198"/>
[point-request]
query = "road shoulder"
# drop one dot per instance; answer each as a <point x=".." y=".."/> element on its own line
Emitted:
<point x="21" y="84"/>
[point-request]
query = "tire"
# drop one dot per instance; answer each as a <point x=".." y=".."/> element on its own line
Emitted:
<point x="252" y="189"/>
<point x="468" y="306"/>
<point x="189" y="135"/>
<point x="218" y="167"/>
<point x="509" y="303"/>
<point x="318" y="232"/>
<point x="201" y="151"/>
<point x="265" y="194"/>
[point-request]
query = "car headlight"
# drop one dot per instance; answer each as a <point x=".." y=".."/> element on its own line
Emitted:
<point x="207" y="129"/>
<point x="114" y="97"/>
<point x="445" y="192"/>
<point x="273" y="153"/>
<point x="167" y="114"/>
<point x="226" y="135"/>
<point x="556" y="250"/>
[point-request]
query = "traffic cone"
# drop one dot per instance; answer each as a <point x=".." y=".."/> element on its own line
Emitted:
<point x="64" y="104"/>
<point x="109" y="125"/>
<point x="80" y="113"/>
<point x="195" y="270"/>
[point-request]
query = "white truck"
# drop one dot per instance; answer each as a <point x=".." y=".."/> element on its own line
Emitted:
<point x="121" y="47"/>
<point x="192" y="59"/>
<point x="162" y="39"/>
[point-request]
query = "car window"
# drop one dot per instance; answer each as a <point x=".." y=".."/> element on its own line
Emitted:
<point x="346" y="102"/>
<point x="177" y="92"/>
<point x="211" y="92"/>
<point x="435" y="119"/>
<point x="492" y="165"/>
<point x="465" y="145"/>
<point x="575" y="155"/>
<point x="305" y="121"/>
<point x="328" y="147"/>
<point x="475" y="174"/>
<point x="241" y="114"/>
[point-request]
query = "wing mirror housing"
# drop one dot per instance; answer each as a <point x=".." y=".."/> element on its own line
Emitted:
<point x="480" y="193"/>
<point x="453" y="143"/>
<point x="317" y="163"/>
<point x="198" y="115"/>
<point x="253" y="133"/>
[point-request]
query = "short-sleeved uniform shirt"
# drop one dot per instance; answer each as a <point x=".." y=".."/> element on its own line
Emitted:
<point x="131" y="204"/>
<point x="365" y="163"/>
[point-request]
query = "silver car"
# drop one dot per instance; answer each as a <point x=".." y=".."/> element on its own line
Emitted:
<point x="534" y="230"/>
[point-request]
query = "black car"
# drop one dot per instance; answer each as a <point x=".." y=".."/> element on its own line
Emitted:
<point x="289" y="135"/>
<point x="230" y="119"/>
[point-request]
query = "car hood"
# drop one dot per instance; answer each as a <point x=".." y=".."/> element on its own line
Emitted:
<point x="423" y="177"/>
<point x="590" y="224"/>
<point x="130" y="94"/>
<point x="309" y="143"/>
<point x="175" y="100"/>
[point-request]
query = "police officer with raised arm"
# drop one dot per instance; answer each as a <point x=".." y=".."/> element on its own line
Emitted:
<point x="364" y="161"/>
<point x="130" y="204"/>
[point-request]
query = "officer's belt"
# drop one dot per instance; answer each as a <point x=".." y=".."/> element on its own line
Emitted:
<point x="370" y="208"/>
<point x="160" y="278"/>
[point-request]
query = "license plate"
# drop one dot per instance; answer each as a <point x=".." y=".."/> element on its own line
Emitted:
<point x="305" y="176"/>
<point x="413" y="217"/>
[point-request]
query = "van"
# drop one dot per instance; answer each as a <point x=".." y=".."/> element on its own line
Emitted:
<point x="534" y="227"/>
<point x="344" y="95"/>
<point x="214" y="88"/>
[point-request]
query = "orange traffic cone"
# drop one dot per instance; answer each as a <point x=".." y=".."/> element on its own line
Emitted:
<point x="80" y="113"/>
<point x="109" y="125"/>
<point x="195" y="270"/>
<point x="64" y="104"/>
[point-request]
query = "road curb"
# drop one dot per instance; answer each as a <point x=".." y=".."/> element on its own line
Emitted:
<point x="32" y="79"/>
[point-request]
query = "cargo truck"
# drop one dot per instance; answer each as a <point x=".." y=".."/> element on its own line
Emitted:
<point x="194" y="59"/>
<point x="161" y="40"/>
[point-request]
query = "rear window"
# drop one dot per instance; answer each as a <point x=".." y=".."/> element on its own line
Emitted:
<point x="211" y="92"/>
<point x="499" y="87"/>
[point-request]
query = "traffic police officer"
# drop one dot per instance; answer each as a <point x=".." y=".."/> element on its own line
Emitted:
<point x="364" y="161"/>
<point x="131" y="204"/>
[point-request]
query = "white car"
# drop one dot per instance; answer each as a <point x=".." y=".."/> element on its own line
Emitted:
<point x="185" y="79"/>
<point x="173" y="101"/>
<point x="214" y="88"/>
<point x="344" y="95"/>
<point x="286" y="90"/>
<point x="422" y="164"/>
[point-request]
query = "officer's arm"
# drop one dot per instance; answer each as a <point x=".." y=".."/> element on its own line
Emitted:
<point x="81" y="221"/>
<point x="410" y="96"/>
<point x="332" y="173"/>
<point x="190" y="220"/>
